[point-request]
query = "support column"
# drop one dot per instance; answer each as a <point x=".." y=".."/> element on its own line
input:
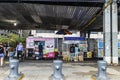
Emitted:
<point x="107" y="33"/>
<point x="82" y="34"/>
<point x="88" y="41"/>
<point x="114" y="33"/>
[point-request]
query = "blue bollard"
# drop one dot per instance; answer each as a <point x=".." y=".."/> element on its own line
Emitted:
<point x="57" y="73"/>
<point x="14" y="75"/>
<point x="14" y="68"/>
<point x="102" y="67"/>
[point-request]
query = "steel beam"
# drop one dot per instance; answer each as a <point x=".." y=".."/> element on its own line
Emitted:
<point x="87" y="3"/>
<point x="101" y="1"/>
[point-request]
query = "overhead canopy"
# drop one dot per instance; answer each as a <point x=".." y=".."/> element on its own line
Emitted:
<point x="47" y="14"/>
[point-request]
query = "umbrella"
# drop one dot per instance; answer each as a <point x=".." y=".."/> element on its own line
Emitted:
<point x="64" y="32"/>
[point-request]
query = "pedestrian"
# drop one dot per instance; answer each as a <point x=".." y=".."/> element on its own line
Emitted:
<point x="72" y="52"/>
<point x="19" y="50"/>
<point x="40" y="47"/>
<point x="6" y="48"/>
<point x="2" y="55"/>
<point x="76" y="52"/>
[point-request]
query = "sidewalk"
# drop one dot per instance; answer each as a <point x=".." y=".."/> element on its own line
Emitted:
<point x="37" y="70"/>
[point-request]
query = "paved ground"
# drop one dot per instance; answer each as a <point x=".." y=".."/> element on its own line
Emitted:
<point x="41" y="70"/>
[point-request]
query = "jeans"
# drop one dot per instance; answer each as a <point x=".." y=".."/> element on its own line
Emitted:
<point x="72" y="56"/>
<point x="19" y="53"/>
<point x="2" y="55"/>
<point x="40" y="54"/>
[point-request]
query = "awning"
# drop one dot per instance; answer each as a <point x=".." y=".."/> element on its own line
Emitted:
<point x="64" y="32"/>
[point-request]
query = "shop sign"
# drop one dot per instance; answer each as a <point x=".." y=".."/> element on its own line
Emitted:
<point x="74" y="38"/>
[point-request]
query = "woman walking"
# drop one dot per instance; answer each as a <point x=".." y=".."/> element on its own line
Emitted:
<point x="2" y="55"/>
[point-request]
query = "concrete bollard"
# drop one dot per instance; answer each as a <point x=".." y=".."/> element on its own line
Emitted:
<point x="57" y="73"/>
<point x="102" y="67"/>
<point x="11" y="55"/>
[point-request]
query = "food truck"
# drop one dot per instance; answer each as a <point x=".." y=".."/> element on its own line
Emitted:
<point x="48" y="45"/>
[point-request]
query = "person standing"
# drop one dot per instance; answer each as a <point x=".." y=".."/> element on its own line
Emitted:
<point x="72" y="52"/>
<point x="6" y="48"/>
<point x="40" y="47"/>
<point x="2" y="55"/>
<point x="76" y="52"/>
<point x="19" y="50"/>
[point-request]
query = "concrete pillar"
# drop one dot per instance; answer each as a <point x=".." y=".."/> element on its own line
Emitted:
<point x="107" y="33"/>
<point x="114" y="33"/>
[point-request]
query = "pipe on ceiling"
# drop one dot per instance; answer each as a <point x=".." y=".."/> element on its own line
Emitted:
<point x="94" y="18"/>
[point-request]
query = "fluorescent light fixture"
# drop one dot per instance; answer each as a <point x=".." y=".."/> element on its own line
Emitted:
<point x="10" y="21"/>
<point x="36" y="18"/>
<point x="14" y="22"/>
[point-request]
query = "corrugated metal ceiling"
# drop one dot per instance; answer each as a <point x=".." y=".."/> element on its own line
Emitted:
<point x="45" y="16"/>
<point x="50" y="14"/>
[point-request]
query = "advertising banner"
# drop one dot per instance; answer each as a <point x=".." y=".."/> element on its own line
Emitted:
<point x="101" y="48"/>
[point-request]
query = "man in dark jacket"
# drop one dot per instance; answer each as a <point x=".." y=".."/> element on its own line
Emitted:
<point x="72" y="52"/>
<point x="40" y="47"/>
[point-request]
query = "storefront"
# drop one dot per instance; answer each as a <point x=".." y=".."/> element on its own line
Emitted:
<point x="80" y="42"/>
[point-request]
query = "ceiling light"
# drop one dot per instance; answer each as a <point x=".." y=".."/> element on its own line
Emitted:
<point x="36" y="18"/>
<point x="10" y="21"/>
<point x="15" y="24"/>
